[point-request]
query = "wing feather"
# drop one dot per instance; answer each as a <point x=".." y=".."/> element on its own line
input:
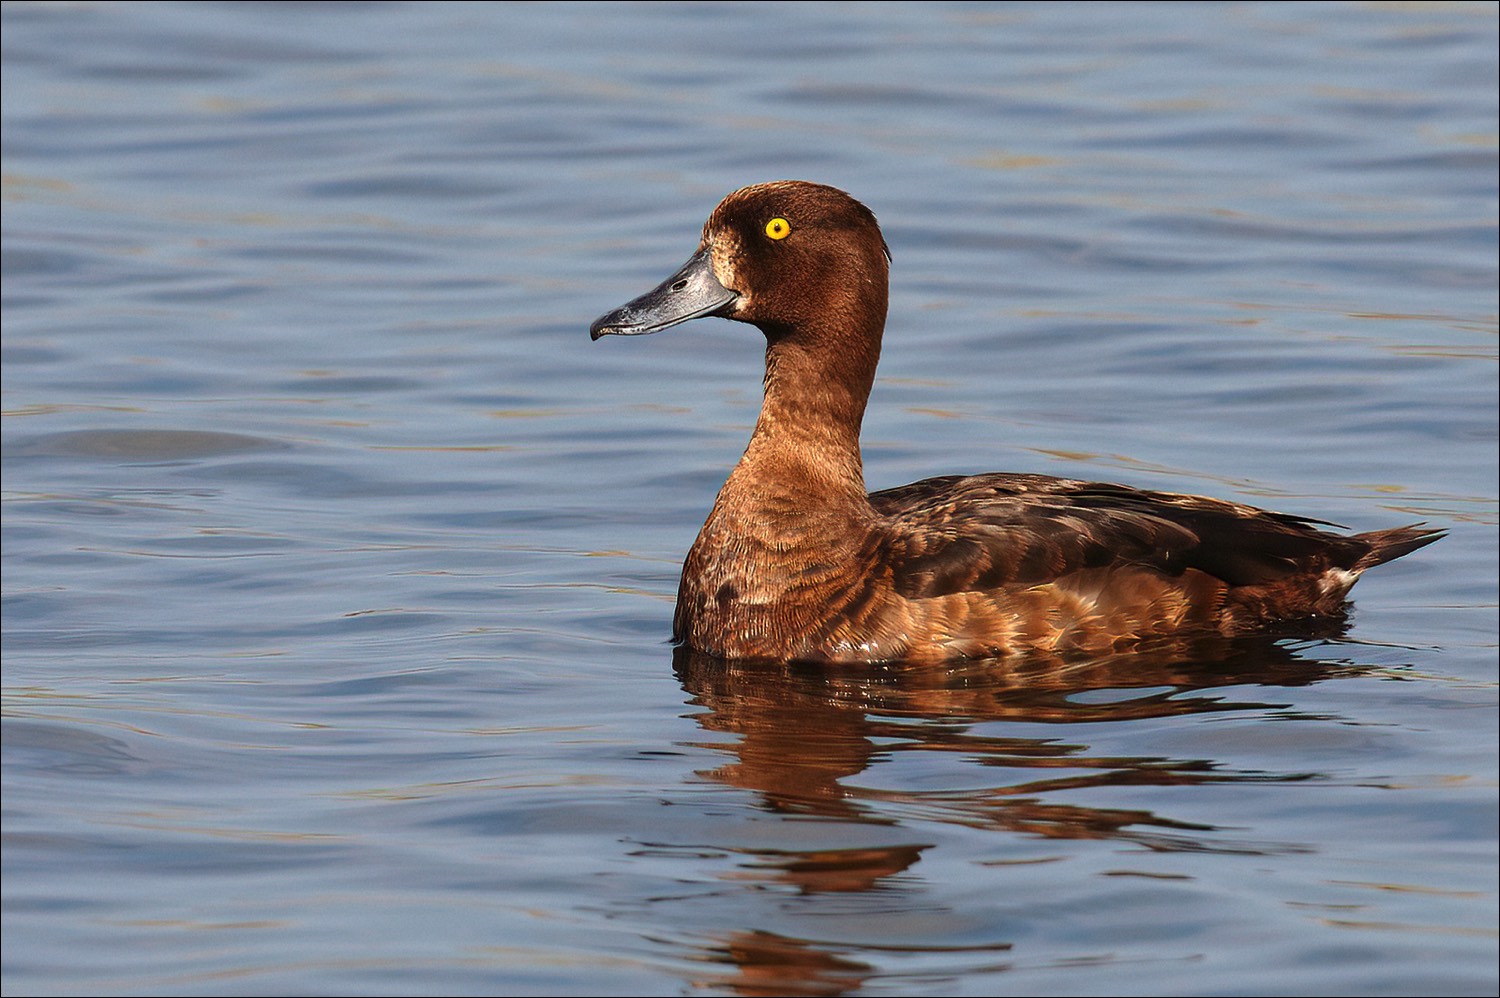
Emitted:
<point x="962" y="534"/>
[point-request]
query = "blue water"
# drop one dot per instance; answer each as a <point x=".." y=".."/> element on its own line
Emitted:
<point x="339" y="564"/>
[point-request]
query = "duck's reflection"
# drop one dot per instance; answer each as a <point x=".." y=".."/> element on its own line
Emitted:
<point x="805" y="732"/>
<point x="804" y="735"/>
<point x="766" y="964"/>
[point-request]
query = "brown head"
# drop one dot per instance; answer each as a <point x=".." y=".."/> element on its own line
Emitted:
<point x="788" y="256"/>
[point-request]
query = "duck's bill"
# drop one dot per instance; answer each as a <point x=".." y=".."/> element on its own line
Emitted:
<point x="690" y="293"/>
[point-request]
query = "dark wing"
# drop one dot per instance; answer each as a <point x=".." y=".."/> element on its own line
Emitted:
<point x="964" y="534"/>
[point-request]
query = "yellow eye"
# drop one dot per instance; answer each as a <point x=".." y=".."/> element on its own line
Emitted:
<point x="778" y="228"/>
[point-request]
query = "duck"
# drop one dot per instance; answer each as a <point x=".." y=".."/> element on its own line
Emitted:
<point x="796" y="561"/>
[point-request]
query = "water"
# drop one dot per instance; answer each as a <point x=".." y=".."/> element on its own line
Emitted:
<point x="339" y="564"/>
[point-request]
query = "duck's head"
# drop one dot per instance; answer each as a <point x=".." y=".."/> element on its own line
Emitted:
<point x="785" y="256"/>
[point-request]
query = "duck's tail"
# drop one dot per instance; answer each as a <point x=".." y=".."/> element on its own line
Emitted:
<point x="1388" y="545"/>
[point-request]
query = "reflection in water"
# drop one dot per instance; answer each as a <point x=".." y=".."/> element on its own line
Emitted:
<point x="767" y="964"/>
<point x="820" y="871"/>
<point x="805" y="733"/>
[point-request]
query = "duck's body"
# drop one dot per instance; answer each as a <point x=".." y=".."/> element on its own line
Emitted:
<point x="796" y="561"/>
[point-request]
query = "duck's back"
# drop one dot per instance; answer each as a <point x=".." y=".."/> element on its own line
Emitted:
<point x="1094" y="565"/>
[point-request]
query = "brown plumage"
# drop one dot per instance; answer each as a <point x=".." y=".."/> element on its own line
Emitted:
<point x="795" y="561"/>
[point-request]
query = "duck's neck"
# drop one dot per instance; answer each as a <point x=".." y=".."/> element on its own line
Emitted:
<point x="805" y="447"/>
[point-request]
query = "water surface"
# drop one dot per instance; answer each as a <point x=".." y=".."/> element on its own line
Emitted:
<point x="339" y="564"/>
